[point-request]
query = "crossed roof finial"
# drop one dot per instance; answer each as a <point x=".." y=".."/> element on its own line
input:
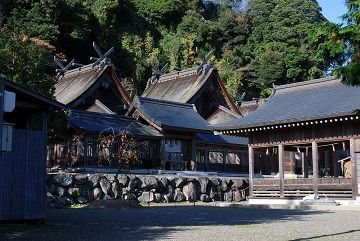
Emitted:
<point x="63" y="68"/>
<point x="103" y="59"/>
<point x="156" y="73"/>
<point x="240" y="98"/>
<point x="205" y="59"/>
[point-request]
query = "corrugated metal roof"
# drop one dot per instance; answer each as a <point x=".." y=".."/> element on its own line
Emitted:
<point x="222" y="139"/>
<point x="309" y="100"/>
<point x="168" y="114"/>
<point x="75" y="82"/>
<point x="96" y="122"/>
<point x="31" y="95"/>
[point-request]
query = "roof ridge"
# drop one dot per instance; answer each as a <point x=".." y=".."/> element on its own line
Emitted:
<point x="307" y="82"/>
<point x="81" y="69"/>
<point x="90" y="113"/>
<point x="177" y="73"/>
<point x="165" y="102"/>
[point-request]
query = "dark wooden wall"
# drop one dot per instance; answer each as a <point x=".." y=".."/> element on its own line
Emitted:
<point x="325" y="131"/>
<point x="22" y="177"/>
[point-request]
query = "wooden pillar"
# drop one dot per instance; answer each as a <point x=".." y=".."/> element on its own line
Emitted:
<point x="162" y="153"/>
<point x="224" y="154"/>
<point x="206" y="161"/>
<point x="304" y="164"/>
<point x="281" y="169"/>
<point x="86" y="146"/>
<point x="353" y="168"/>
<point x="334" y="164"/>
<point x="251" y="170"/>
<point x="315" y="161"/>
<point x="193" y="155"/>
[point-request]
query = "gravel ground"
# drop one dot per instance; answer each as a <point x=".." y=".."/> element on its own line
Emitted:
<point x="189" y="223"/>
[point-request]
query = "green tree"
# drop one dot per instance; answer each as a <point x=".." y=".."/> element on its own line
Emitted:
<point x="278" y="49"/>
<point x="27" y="61"/>
<point x="351" y="35"/>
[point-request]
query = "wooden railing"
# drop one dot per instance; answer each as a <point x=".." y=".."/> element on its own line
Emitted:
<point x="300" y="187"/>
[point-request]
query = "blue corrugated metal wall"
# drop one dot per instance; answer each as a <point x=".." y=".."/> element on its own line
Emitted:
<point x="22" y="177"/>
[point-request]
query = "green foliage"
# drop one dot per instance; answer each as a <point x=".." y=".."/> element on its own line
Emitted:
<point x="27" y="61"/>
<point x="328" y="45"/>
<point x="161" y="11"/>
<point x="144" y="54"/>
<point x="277" y="41"/>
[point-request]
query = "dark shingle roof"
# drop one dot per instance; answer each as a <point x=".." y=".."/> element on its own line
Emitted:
<point x="221" y="139"/>
<point x="96" y="122"/>
<point x="309" y="100"/>
<point x="171" y="115"/>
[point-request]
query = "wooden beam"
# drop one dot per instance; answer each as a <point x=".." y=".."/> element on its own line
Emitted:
<point x="281" y="169"/>
<point x="353" y="168"/>
<point x="315" y="161"/>
<point x="251" y="171"/>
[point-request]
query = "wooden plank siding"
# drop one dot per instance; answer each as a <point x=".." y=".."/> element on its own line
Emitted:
<point x="22" y="175"/>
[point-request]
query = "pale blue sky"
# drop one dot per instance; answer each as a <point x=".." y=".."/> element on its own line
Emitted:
<point x="333" y="9"/>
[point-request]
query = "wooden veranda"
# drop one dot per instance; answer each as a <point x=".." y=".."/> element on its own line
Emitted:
<point x="304" y="140"/>
<point x="332" y="178"/>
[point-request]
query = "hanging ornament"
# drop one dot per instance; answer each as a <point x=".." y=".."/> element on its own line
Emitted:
<point x="333" y="147"/>
<point x="344" y="147"/>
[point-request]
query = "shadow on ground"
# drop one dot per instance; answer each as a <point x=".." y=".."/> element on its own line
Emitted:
<point x="140" y="224"/>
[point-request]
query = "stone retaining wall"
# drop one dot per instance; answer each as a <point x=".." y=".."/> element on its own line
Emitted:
<point x="65" y="189"/>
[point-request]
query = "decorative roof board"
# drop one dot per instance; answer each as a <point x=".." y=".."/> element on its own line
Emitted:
<point x="171" y="115"/>
<point x="222" y="114"/>
<point x="222" y="139"/>
<point x="309" y="100"/>
<point x="99" y="107"/>
<point x="96" y="122"/>
<point x="247" y="107"/>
